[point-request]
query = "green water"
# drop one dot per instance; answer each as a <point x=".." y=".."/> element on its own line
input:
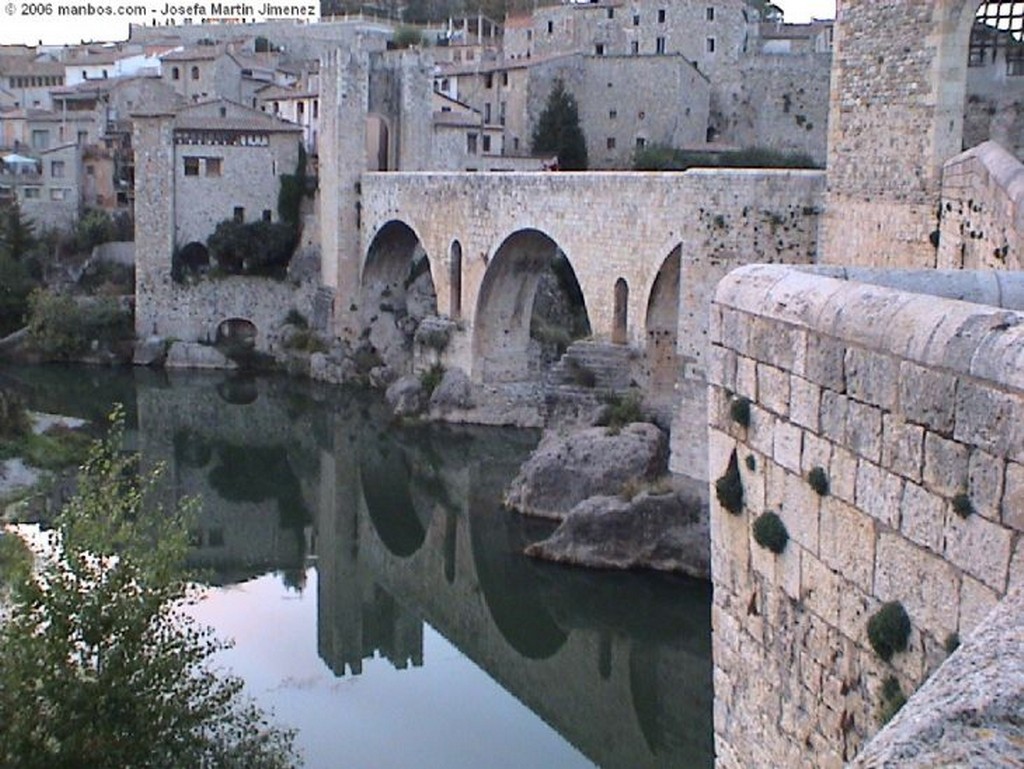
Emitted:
<point x="377" y="593"/>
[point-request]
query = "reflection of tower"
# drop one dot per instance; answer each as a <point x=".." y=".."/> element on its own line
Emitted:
<point x="356" y="618"/>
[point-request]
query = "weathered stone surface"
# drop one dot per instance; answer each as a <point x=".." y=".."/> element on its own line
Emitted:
<point x="151" y="351"/>
<point x="406" y="396"/>
<point x="565" y="470"/>
<point x="453" y="392"/>
<point x="668" y="532"/>
<point x="192" y="355"/>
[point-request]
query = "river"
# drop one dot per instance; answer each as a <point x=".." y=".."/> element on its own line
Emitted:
<point x="376" y="591"/>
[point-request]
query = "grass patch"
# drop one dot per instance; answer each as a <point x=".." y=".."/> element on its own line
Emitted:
<point x="893" y="699"/>
<point x="431" y="378"/>
<point x="621" y="410"/>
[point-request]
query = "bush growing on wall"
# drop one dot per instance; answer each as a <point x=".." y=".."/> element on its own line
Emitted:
<point x="889" y="630"/>
<point x="252" y="248"/>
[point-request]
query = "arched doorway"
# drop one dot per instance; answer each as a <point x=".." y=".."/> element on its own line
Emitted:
<point x="619" y="323"/>
<point x="455" y="280"/>
<point x="994" y="106"/>
<point x="661" y="359"/>
<point x="397" y="292"/>
<point x="529" y="310"/>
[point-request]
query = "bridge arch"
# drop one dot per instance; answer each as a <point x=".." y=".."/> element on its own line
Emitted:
<point x="513" y="331"/>
<point x="620" y="330"/>
<point x="396" y="292"/>
<point x="661" y="358"/>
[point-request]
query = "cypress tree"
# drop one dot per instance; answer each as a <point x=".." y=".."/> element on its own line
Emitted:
<point x="558" y="130"/>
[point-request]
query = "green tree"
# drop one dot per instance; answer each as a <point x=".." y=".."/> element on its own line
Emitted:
<point x="17" y="233"/>
<point x="102" y="667"/>
<point x="558" y="130"/>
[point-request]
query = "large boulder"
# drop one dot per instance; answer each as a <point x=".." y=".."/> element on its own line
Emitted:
<point x="454" y="392"/>
<point x="406" y="396"/>
<point x="565" y="470"/>
<point x="668" y="532"/>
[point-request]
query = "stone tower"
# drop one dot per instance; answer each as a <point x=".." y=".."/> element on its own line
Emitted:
<point x="896" y="115"/>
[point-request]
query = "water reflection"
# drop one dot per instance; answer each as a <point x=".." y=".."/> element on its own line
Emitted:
<point x="404" y="528"/>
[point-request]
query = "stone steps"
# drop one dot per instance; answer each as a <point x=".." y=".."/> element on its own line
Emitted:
<point x="589" y="366"/>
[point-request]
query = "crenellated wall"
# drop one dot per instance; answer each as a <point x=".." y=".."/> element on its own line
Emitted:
<point x="905" y="400"/>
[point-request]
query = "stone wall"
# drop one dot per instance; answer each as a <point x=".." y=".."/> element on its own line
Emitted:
<point x="982" y="214"/>
<point x="906" y="401"/>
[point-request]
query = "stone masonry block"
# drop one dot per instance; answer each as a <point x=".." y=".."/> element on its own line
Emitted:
<point x="823" y="363"/>
<point x="847" y="542"/>
<point x="779" y="344"/>
<point x="902" y="447"/>
<point x="945" y="465"/>
<point x="775" y="487"/>
<point x="1013" y="497"/>
<point x="976" y="601"/>
<point x="817" y="453"/>
<point x="721" y="367"/>
<point x="735" y="330"/>
<point x="926" y="584"/>
<point x="788" y="446"/>
<point x="985" y="483"/>
<point x="754" y="480"/>
<point x="804" y="403"/>
<point x="746" y="377"/>
<point x="842" y="477"/>
<point x="833" y="416"/>
<point x="821" y="589"/>
<point x="879" y="493"/>
<point x="981" y="548"/>
<point x="855" y="607"/>
<point x="990" y="419"/>
<point x="1017" y="565"/>
<point x="799" y="511"/>
<point x="872" y="377"/>
<point x="761" y="433"/>
<point x="773" y="389"/>
<point x="923" y="517"/>
<point x="928" y="397"/>
<point x="864" y="430"/>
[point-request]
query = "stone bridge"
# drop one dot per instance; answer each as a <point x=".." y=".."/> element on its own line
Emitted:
<point x="646" y="249"/>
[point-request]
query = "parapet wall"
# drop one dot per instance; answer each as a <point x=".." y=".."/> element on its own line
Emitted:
<point x="982" y="211"/>
<point x="906" y="401"/>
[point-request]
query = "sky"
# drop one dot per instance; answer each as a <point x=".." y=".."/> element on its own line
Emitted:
<point x="27" y="21"/>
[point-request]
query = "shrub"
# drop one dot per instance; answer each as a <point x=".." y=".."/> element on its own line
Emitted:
<point x="59" y="327"/>
<point x="889" y="630"/>
<point x="94" y="228"/>
<point x="431" y="378"/>
<point x="659" y="157"/>
<point x="770" y="532"/>
<point x="16" y="284"/>
<point x="739" y="411"/>
<point x="296" y="318"/>
<point x="818" y="479"/>
<point x="407" y="37"/>
<point x="620" y="410"/>
<point x="962" y="505"/>
<point x="893" y="699"/>
<point x="252" y="248"/>
<point x="751" y="463"/>
<point x="729" y="488"/>
<point x="305" y="340"/>
<point x="14" y="422"/>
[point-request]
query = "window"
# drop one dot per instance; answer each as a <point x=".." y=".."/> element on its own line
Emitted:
<point x="611" y="13"/>
<point x="58" y="194"/>
<point x="1015" y="61"/>
<point x="471" y="143"/>
<point x="612" y="114"/>
<point x="611" y="142"/>
<point x="57" y="169"/>
<point x="90" y="170"/>
<point x="634" y="47"/>
<point x="501" y="113"/>
<point x="488" y="81"/>
<point x="515" y="143"/>
<point x="191" y="166"/>
<point x="31" y="193"/>
<point x="195" y="73"/>
<point x="659" y="45"/>
<point x="487" y="112"/>
<point x="710" y="45"/>
<point x="175" y="73"/>
<point x="636" y="19"/>
<point x="213" y="166"/>
<point x="641" y="142"/>
<point x="83" y="137"/>
<point x="709" y="13"/>
<point x="316" y="108"/>
<point x="40" y="139"/>
<point x="267" y="214"/>
<point x="104" y="74"/>
<point x="599" y="49"/>
<point x="551" y="27"/>
<point x="487" y="143"/>
<point x="661" y="15"/>
<point x="238" y="214"/>
<point x="504" y="78"/>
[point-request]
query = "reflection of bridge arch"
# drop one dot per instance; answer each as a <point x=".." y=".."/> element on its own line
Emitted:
<point x="386" y="478"/>
<point x="505" y="303"/>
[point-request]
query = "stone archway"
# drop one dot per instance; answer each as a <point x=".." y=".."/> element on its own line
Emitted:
<point x="396" y="293"/>
<point x="620" y="330"/>
<point x="530" y="307"/>
<point x="455" y="280"/>
<point x="994" y="107"/>
<point x="661" y="357"/>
